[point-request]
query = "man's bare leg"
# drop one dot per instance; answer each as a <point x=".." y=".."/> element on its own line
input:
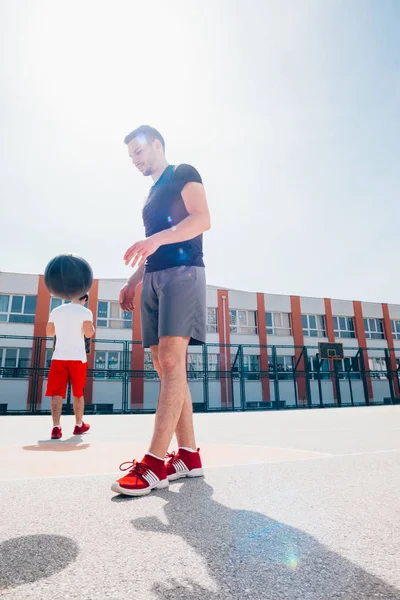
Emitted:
<point x="79" y="406"/>
<point x="56" y="408"/>
<point x="172" y="362"/>
<point x="184" y="430"/>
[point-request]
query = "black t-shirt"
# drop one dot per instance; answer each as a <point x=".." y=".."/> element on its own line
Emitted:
<point x="164" y="208"/>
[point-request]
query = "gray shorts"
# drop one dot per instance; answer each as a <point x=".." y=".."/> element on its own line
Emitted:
<point x="173" y="303"/>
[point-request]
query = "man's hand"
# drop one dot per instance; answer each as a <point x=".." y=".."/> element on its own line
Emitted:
<point x="139" y="252"/>
<point x="127" y="296"/>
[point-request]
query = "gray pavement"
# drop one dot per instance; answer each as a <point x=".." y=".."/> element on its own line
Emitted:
<point x="299" y="529"/>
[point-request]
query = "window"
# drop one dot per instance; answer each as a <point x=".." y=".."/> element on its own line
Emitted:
<point x="49" y="354"/>
<point x="243" y="321"/>
<point x="348" y="367"/>
<point x="17" y="309"/>
<point x="108" y="361"/>
<point x="196" y="365"/>
<point x="251" y="365"/>
<point x="284" y="367"/>
<point x="109" y="314"/>
<point x="324" y="368"/>
<point x="374" y="329"/>
<point x="378" y="368"/>
<point x="344" y="327"/>
<point x="395" y="324"/>
<point x="150" y="372"/>
<point x="313" y="325"/>
<point x="278" y="323"/>
<point x="15" y="362"/>
<point x="56" y="302"/>
<point x="212" y="320"/>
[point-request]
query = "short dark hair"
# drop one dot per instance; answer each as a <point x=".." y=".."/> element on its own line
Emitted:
<point x="85" y="297"/>
<point x="148" y="132"/>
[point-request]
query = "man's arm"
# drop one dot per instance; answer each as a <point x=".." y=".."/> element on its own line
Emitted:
<point x="127" y="293"/>
<point x="198" y="221"/>
<point x="136" y="278"/>
<point x="50" y="329"/>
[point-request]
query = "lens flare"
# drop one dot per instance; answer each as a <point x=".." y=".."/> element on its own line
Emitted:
<point x="292" y="560"/>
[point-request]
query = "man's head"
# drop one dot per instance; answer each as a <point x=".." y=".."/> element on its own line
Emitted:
<point x="146" y="148"/>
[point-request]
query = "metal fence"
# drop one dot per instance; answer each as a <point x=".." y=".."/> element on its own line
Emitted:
<point x="233" y="377"/>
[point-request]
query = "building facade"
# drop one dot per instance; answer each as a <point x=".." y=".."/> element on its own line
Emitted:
<point x="259" y="346"/>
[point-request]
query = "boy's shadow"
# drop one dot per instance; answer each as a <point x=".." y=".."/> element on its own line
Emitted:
<point x="249" y="555"/>
<point x="71" y="444"/>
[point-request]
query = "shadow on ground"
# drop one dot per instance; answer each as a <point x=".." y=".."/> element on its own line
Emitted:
<point x="249" y="555"/>
<point x="29" y="558"/>
<point x="69" y="445"/>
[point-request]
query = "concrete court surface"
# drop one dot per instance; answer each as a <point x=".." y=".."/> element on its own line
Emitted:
<point x="299" y="505"/>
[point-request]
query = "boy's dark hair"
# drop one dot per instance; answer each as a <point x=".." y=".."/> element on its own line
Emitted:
<point x="85" y="297"/>
<point x="148" y="132"/>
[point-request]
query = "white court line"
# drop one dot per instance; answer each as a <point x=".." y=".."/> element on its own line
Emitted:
<point x="206" y="468"/>
<point x="274" y="448"/>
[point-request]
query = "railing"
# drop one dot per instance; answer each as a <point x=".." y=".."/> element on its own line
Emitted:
<point x="221" y="377"/>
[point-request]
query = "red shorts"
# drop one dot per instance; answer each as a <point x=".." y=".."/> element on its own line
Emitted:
<point x="62" y="371"/>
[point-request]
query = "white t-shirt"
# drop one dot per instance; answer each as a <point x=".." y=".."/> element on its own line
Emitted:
<point x="68" y="322"/>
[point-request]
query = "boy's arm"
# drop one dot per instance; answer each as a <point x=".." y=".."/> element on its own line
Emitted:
<point x="50" y="329"/>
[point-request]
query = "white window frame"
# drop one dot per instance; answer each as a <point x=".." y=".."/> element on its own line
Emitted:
<point x="377" y="367"/>
<point x="241" y="329"/>
<point x="372" y="329"/>
<point x="285" y="361"/>
<point x="58" y="300"/>
<point x="212" y="325"/>
<point x="339" y="332"/>
<point x="343" y="373"/>
<point x="248" y="371"/>
<point x="195" y="365"/>
<point x="395" y="326"/>
<point x="8" y="313"/>
<point x="279" y="330"/>
<point x="109" y="319"/>
<point x="324" y="369"/>
<point x="150" y="374"/>
<point x="196" y="359"/>
<point x="107" y="367"/>
<point x="307" y="330"/>
<point x="3" y="352"/>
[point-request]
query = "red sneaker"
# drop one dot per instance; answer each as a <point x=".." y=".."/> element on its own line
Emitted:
<point x="143" y="477"/>
<point x="183" y="464"/>
<point x="84" y="428"/>
<point x="56" y="433"/>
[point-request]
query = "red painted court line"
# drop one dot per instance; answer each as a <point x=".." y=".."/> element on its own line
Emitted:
<point x="49" y="459"/>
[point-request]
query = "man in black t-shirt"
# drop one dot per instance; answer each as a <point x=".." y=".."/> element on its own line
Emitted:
<point x="173" y="305"/>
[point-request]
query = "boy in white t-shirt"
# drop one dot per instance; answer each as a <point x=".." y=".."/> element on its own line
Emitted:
<point x="70" y="323"/>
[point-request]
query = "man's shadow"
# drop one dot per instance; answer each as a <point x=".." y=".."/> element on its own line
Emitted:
<point x="249" y="555"/>
<point x="71" y="444"/>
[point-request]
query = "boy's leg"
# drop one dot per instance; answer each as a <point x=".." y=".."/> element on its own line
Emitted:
<point x="79" y="405"/>
<point x="77" y="374"/>
<point x="56" y="408"/>
<point x="56" y="388"/>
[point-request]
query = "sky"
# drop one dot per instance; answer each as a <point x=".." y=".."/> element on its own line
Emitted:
<point x="289" y="109"/>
